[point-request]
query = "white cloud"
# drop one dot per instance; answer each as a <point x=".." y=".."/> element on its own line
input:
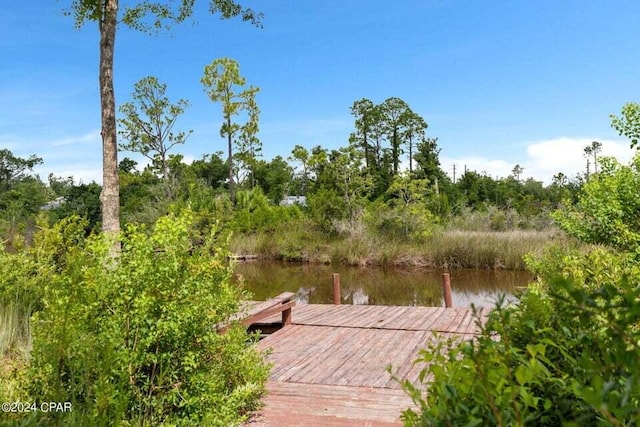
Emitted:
<point x="543" y="159"/>
<point x="91" y="137"/>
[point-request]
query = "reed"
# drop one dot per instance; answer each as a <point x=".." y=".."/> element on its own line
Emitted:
<point x="15" y="334"/>
<point x="15" y="346"/>
<point x="444" y="249"/>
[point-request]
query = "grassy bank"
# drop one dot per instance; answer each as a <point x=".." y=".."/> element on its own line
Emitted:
<point x="449" y="248"/>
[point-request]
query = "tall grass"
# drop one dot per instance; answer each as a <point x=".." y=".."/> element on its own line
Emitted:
<point x="15" y="334"/>
<point x="489" y="250"/>
<point x="448" y="248"/>
<point x="15" y="346"/>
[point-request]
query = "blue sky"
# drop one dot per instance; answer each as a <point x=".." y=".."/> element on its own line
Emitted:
<point x="499" y="82"/>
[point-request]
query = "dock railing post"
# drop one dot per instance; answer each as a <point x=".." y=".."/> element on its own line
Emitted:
<point x="336" y="288"/>
<point x="446" y="287"/>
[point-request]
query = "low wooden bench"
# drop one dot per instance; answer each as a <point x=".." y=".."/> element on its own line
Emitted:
<point x="265" y="309"/>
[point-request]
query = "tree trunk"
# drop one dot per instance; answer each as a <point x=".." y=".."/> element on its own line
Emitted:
<point x="395" y="153"/>
<point x="230" y="147"/>
<point x="110" y="195"/>
<point x="410" y="157"/>
<point x="165" y="166"/>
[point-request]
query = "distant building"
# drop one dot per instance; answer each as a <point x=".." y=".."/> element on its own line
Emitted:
<point x="292" y="200"/>
<point x="54" y="204"/>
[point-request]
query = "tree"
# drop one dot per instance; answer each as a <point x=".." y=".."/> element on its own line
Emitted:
<point x="301" y="154"/>
<point x="82" y="200"/>
<point x="629" y="124"/>
<point x="517" y="171"/>
<point x="409" y="199"/>
<point x="415" y="128"/>
<point x="427" y="161"/>
<point x="21" y="193"/>
<point x="345" y="167"/>
<point x="146" y="16"/>
<point x="249" y="146"/>
<point x="148" y="122"/>
<point x="395" y="112"/>
<point x="223" y="83"/>
<point x="592" y="150"/>
<point x="364" y="112"/>
<point x="59" y="186"/>
<point x="608" y="207"/>
<point x="211" y="169"/>
<point x="274" y="178"/>
<point x="13" y="169"/>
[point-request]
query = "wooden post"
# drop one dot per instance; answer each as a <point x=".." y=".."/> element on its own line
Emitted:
<point x="446" y="287"/>
<point x="336" y="288"/>
<point x="286" y="317"/>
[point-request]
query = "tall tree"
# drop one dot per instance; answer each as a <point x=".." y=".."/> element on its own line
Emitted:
<point x="301" y="154"/>
<point x="223" y="83"/>
<point x="427" y="160"/>
<point x="345" y="168"/>
<point x="14" y="168"/>
<point x="396" y="113"/>
<point x="148" y="122"/>
<point x="592" y="150"/>
<point x="517" y="171"/>
<point x="147" y="16"/>
<point x="415" y="127"/>
<point x="364" y="112"/>
<point x="249" y="146"/>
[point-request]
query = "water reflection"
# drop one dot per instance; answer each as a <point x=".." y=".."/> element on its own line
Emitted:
<point x="378" y="286"/>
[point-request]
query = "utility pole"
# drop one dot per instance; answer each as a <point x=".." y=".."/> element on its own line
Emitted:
<point x="454" y="173"/>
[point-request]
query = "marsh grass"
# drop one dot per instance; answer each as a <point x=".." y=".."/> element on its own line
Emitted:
<point x="489" y="250"/>
<point x="15" y="346"/>
<point x="15" y="334"/>
<point x="495" y="250"/>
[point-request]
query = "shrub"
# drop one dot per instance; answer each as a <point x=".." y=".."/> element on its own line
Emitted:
<point x="567" y="354"/>
<point x="254" y="212"/>
<point x="132" y="340"/>
<point x="608" y="208"/>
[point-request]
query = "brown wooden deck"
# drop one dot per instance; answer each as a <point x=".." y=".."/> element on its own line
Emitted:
<point x="329" y="365"/>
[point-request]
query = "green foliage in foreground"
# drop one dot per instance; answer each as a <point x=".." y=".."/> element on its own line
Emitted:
<point x="568" y="354"/>
<point x="132" y="340"/>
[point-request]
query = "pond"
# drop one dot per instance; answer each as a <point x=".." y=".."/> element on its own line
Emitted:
<point x="313" y="283"/>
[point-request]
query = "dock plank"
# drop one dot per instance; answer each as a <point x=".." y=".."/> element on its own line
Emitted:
<point x="329" y="365"/>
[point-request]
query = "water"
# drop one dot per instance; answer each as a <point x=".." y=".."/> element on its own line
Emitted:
<point x="378" y="286"/>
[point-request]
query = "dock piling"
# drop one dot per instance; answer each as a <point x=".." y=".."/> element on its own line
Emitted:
<point x="336" y="289"/>
<point x="446" y="287"/>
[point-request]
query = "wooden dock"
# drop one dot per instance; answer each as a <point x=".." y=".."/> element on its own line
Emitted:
<point x="329" y="364"/>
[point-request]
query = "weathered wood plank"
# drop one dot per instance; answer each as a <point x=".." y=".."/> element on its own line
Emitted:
<point x="324" y="357"/>
<point x="329" y="365"/>
<point x="383" y="354"/>
<point x="313" y="404"/>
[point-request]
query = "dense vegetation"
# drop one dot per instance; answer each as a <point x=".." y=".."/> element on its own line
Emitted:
<point x="385" y="189"/>
<point x="569" y="352"/>
<point x="131" y="340"/>
<point x="143" y="348"/>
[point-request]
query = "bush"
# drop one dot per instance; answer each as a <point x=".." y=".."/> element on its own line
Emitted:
<point x="133" y="340"/>
<point x="254" y="212"/>
<point x="608" y="208"/>
<point x="567" y="354"/>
